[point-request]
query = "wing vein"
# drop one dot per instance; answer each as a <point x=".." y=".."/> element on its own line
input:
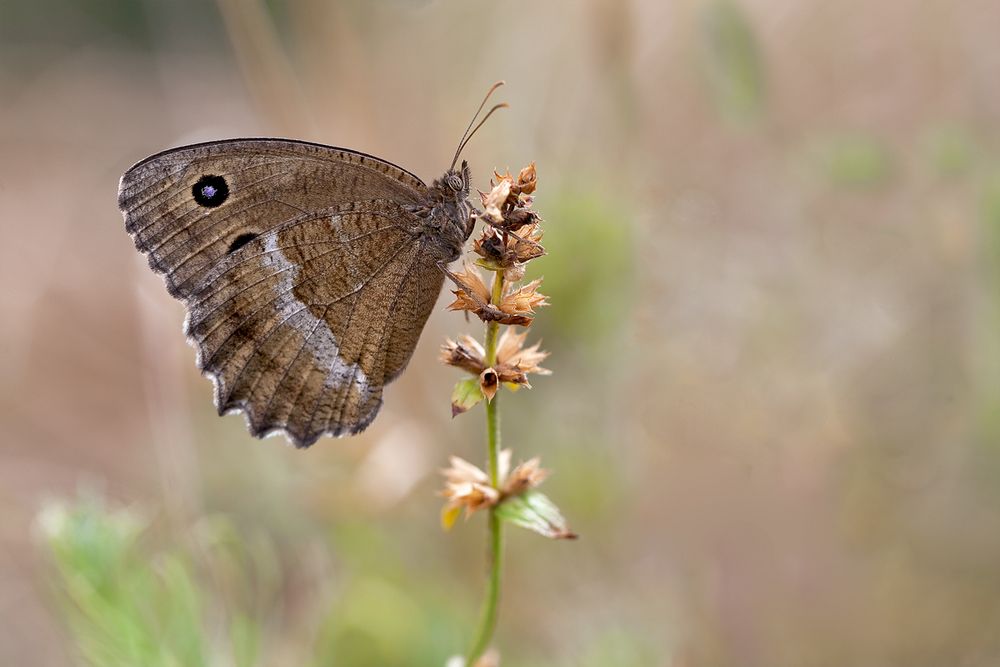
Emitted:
<point x="288" y="369"/>
<point x="389" y="311"/>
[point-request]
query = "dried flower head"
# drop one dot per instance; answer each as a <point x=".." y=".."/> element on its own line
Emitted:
<point x="472" y="294"/>
<point x="495" y="202"/>
<point x="516" y="307"/>
<point x="521" y="302"/>
<point x="468" y="488"/>
<point x="519" y="217"/>
<point x="466" y="354"/>
<point x="524" y="184"/>
<point x="514" y="272"/>
<point x="506" y="204"/>
<point x="489" y="383"/>
<point x="503" y="248"/>
<point x="514" y="361"/>
<point x="527" y="179"/>
<point x="526" y="475"/>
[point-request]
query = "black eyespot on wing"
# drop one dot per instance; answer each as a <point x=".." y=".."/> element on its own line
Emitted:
<point x="240" y="241"/>
<point x="210" y="191"/>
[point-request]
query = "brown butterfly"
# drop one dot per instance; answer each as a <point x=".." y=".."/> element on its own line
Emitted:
<point x="308" y="271"/>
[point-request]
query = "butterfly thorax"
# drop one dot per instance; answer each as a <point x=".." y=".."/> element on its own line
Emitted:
<point x="446" y="215"/>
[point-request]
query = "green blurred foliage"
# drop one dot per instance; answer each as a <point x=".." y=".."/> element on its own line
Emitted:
<point x="950" y="150"/>
<point x="57" y="24"/>
<point x="989" y="322"/>
<point x="216" y="596"/>
<point x="379" y="621"/>
<point x="618" y="646"/>
<point x="124" y="607"/>
<point x="855" y="160"/>
<point x="615" y="645"/>
<point x="731" y="60"/>
<point x="588" y="269"/>
<point x="130" y="602"/>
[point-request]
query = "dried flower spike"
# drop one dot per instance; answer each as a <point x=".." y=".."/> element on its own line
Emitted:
<point x="510" y="238"/>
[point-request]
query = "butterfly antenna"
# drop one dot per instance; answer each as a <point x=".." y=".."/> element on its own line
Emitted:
<point x="467" y="134"/>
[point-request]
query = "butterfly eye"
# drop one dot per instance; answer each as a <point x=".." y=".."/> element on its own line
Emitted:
<point x="210" y="191"/>
<point x="454" y="182"/>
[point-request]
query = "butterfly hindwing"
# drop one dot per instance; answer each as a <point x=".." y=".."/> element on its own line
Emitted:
<point x="295" y="281"/>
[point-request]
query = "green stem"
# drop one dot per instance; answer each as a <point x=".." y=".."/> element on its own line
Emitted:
<point x="488" y="618"/>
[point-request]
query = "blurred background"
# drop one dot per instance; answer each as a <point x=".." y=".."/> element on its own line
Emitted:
<point x="774" y="237"/>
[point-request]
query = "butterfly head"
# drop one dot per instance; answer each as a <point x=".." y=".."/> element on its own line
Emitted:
<point x="448" y="213"/>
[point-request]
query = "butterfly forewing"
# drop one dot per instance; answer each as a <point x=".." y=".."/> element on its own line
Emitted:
<point x="186" y="208"/>
<point x="306" y="285"/>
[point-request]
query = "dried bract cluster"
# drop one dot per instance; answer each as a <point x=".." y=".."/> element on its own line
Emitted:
<point x="516" y="306"/>
<point x="513" y="362"/>
<point x="467" y="487"/>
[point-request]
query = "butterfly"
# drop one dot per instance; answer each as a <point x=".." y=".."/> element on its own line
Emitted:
<point x="308" y="271"/>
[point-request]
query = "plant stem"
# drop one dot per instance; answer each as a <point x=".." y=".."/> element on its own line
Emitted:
<point x="492" y="416"/>
<point x="488" y="619"/>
